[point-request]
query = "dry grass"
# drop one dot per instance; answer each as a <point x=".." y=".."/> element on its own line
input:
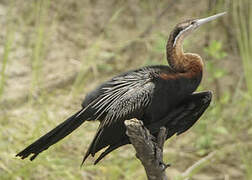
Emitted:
<point x="54" y="53"/>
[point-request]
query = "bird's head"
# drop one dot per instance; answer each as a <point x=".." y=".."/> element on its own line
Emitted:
<point x="185" y="28"/>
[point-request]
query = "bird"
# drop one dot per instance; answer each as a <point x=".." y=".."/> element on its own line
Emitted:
<point x="158" y="95"/>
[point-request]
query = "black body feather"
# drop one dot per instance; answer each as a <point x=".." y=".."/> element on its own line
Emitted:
<point x="140" y="94"/>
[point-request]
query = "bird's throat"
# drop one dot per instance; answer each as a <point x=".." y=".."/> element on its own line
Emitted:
<point x="182" y="62"/>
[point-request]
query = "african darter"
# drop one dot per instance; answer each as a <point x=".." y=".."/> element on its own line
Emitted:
<point x="158" y="95"/>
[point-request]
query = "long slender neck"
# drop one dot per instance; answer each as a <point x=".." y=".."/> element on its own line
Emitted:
<point x="180" y="61"/>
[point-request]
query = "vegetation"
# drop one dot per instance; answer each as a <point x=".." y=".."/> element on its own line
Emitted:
<point x="53" y="53"/>
<point x="242" y="17"/>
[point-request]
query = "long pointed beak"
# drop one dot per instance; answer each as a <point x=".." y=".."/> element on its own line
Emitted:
<point x="199" y="22"/>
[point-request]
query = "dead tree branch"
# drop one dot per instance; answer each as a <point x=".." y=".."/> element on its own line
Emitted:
<point x="149" y="150"/>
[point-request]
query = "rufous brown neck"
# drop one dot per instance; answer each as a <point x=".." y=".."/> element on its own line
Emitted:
<point x="180" y="61"/>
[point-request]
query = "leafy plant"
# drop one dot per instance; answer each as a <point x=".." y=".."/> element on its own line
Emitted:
<point x="215" y="53"/>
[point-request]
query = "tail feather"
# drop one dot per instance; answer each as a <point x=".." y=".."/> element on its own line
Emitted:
<point x="106" y="136"/>
<point x="112" y="148"/>
<point x="53" y="136"/>
<point x="91" y="150"/>
<point x="177" y="121"/>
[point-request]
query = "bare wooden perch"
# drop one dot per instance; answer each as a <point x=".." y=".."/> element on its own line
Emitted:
<point x="149" y="150"/>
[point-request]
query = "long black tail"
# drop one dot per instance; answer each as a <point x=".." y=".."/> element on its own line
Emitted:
<point x="52" y="137"/>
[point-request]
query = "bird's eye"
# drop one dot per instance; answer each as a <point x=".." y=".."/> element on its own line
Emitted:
<point x="193" y="22"/>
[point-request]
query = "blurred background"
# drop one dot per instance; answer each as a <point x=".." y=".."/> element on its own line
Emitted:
<point x="53" y="52"/>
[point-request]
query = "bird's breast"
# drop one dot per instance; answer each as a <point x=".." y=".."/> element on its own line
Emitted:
<point x="169" y="91"/>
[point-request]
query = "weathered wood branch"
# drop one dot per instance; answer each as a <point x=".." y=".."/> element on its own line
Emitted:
<point x="149" y="150"/>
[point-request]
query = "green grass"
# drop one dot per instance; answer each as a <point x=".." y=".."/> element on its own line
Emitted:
<point x="5" y="59"/>
<point x="242" y="17"/>
<point x="7" y="48"/>
<point x="38" y="54"/>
